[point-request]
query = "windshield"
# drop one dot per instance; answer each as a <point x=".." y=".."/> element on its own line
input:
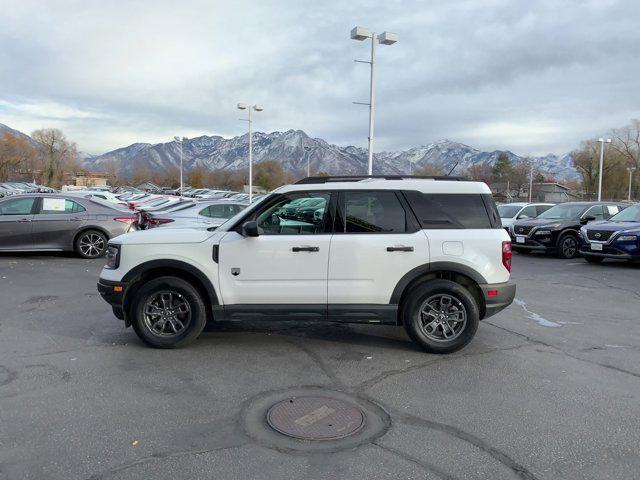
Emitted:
<point x="564" y="211"/>
<point x="631" y="214"/>
<point x="508" y="211"/>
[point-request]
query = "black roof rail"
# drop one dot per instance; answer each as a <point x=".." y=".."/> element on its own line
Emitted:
<point x="357" y="178"/>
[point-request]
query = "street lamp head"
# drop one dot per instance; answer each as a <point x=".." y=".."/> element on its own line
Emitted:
<point x="242" y="106"/>
<point x="258" y="108"/>
<point x="601" y="139"/>
<point x="608" y="140"/>
<point x="631" y="169"/>
<point x="387" y="38"/>
<point x="360" y="33"/>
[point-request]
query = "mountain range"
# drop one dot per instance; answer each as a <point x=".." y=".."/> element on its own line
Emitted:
<point x="294" y="147"/>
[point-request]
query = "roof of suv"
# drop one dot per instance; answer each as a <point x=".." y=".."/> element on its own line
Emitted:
<point x="390" y="182"/>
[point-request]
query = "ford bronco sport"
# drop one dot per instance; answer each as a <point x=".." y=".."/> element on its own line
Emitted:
<point x="428" y="253"/>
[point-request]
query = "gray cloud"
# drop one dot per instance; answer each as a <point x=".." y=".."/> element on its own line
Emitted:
<point x="533" y="77"/>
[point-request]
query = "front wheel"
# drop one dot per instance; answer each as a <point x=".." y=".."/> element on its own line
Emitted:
<point x="441" y="316"/>
<point x="91" y="244"/>
<point x="567" y="246"/>
<point x="168" y="312"/>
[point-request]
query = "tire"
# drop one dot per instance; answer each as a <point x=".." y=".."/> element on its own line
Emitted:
<point x="181" y="313"/>
<point x="591" y="259"/>
<point x="567" y="246"/>
<point x="91" y="244"/>
<point x="425" y="297"/>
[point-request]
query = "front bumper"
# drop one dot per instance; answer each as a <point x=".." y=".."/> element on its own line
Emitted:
<point x="497" y="297"/>
<point x="113" y="293"/>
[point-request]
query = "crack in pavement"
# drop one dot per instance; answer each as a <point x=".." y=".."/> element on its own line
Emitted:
<point x="422" y="464"/>
<point x="159" y="456"/>
<point x="559" y="351"/>
<point x="367" y="384"/>
<point x="409" y="419"/>
<point x="319" y="361"/>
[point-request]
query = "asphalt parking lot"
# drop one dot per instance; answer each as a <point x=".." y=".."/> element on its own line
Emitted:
<point x="549" y="388"/>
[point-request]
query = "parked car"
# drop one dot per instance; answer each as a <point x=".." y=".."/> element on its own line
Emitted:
<point x="211" y="213"/>
<point x="618" y="237"/>
<point x="510" y="212"/>
<point x="429" y="254"/>
<point x="31" y="222"/>
<point x="144" y="215"/>
<point x="557" y="229"/>
<point x="101" y="194"/>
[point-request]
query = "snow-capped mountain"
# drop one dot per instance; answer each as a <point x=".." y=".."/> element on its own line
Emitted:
<point x="293" y="147"/>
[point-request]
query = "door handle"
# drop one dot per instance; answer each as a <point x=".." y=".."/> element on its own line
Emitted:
<point x="400" y="249"/>
<point x="22" y="220"/>
<point x="305" y="249"/>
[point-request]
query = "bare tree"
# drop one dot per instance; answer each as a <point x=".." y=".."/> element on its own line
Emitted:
<point x="57" y="154"/>
<point x="15" y="153"/>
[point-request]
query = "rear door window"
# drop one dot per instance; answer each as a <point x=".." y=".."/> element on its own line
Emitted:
<point x="374" y="212"/>
<point x="449" y="210"/>
<point x="60" y="205"/>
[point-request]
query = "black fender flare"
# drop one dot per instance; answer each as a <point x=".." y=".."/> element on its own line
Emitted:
<point x="420" y="270"/>
<point x="139" y="270"/>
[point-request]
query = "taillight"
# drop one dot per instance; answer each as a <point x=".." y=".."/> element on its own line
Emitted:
<point x="506" y="255"/>
<point x="124" y="219"/>
<point x="154" y="222"/>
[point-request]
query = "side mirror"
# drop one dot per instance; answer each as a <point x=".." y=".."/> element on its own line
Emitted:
<point x="250" y="229"/>
<point x="522" y="215"/>
<point x="587" y="219"/>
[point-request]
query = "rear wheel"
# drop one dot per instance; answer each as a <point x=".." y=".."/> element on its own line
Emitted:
<point x="91" y="244"/>
<point x="441" y="316"/>
<point x="168" y="312"/>
<point x="567" y="246"/>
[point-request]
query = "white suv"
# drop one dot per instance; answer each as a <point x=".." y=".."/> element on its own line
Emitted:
<point x="426" y="253"/>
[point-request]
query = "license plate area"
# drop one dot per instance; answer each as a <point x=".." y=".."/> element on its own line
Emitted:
<point x="596" y="247"/>
<point x="520" y="239"/>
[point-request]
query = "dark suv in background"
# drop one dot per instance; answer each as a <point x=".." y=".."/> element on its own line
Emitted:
<point x="558" y="229"/>
<point x="618" y="238"/>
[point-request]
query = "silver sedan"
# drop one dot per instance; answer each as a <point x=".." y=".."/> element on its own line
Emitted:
<point x="54" y="222"/>
<point x="211" y="213"/>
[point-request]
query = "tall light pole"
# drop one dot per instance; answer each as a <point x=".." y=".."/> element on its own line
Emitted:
<point x="531" y="181"/>
<point x="602" y="142"/>
<point x="257" y="108"/>
<point x="306" y="151"/>
<point x="385" y="38"/>
<point x="631" y="170"/>
<point x="180" y="141"/>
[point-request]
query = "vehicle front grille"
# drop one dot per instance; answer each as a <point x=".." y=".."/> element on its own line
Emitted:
<point x="522" y="230"/>
<point x="599" y="235"/>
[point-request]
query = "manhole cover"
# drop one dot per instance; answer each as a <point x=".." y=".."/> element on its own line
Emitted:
<point x="315" y="418"/>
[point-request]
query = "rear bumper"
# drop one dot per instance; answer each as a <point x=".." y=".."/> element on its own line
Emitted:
<point x="113" y="294"/>
<point x="497" y="297"/>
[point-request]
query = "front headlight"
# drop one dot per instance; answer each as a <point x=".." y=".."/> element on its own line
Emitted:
<point x="113" y="256"/>
<point x="626" y="238"/>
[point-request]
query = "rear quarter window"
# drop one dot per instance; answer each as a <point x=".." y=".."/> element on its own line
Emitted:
<point x="453" y="210"/>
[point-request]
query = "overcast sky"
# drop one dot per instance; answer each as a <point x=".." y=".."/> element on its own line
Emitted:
<point x="530" y="76"/>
